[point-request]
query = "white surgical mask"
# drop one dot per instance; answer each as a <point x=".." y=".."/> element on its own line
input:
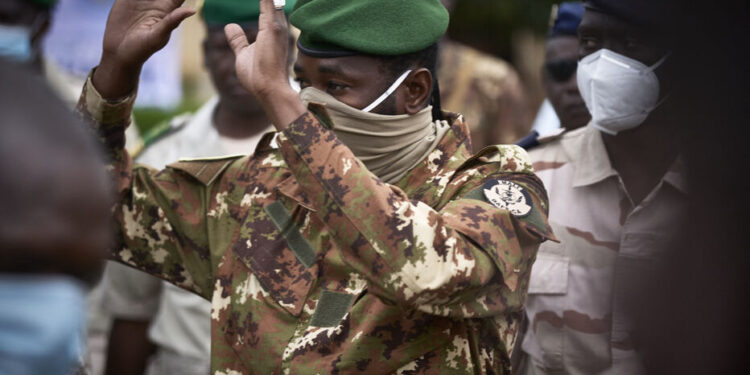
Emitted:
<point x="15" y="43"/>
<point x="619" y="92"/>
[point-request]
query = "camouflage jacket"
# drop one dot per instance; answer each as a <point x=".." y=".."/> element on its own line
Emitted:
<point x="313" y="265"/>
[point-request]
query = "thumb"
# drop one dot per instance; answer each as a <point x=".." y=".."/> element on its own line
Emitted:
<point x="236" y="37"/>
<point x="173" y="19"/>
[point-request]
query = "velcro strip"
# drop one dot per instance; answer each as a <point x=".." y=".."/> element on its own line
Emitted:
<point x="331" y="308"/>
<point x="290" y="231"/>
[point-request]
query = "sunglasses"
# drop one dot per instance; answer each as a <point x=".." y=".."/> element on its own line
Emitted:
<point x="561" y="70"/>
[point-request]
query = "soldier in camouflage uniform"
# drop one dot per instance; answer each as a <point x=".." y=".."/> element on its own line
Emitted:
<point x="313" y="262"/>
<point x="148" y="312"/>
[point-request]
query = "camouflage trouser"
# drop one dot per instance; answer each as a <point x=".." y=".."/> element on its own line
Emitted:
<point x="165" y="362"/>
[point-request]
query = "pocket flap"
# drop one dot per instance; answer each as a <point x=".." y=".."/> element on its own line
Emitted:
<point x="278" y="255"/>
<point x="549" y="275"/>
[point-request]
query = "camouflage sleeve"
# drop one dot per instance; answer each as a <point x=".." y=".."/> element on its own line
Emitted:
<point x="467" y="260"/>
<point x="160" y="228"/>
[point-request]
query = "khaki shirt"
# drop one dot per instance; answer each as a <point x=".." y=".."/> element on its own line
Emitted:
<point x="577" y="322"/>
<point x="314" y="265"/>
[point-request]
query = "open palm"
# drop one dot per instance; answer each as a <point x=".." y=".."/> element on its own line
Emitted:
<point x="262" y="66"/>
<point x="136" y="29"/>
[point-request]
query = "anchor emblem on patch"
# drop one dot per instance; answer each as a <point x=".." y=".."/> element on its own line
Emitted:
<point x="508" y="196"/>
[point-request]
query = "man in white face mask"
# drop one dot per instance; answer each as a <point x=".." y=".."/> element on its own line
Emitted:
<point x="616" y="188"/>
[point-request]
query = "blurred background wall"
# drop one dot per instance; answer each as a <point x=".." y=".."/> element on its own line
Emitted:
<point x="513" y="30"/>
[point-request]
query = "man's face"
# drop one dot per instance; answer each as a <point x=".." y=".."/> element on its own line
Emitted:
<point x="599" y="30"/>
<point x="220" y="60"/>
<point x="353" y="80"/>
<point x="559" y="80"/>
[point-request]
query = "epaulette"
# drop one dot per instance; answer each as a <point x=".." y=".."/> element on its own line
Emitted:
<point x="165" y="128"/>
<point x="205" y="170"/>
<point x="511" y="158"/>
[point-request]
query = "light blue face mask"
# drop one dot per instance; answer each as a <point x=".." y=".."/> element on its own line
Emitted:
<point x="41" y="324"/>
<point x="15" y="43"/>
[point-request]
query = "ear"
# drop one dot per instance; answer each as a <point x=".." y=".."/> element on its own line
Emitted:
<point x="418" y="88"/>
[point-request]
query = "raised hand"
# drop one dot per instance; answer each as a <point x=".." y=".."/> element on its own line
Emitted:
<point x="262" y="66"/>
<point x="136" y="29"/>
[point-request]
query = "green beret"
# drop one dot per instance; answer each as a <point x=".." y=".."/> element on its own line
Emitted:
<point x="331" y="28"/>
<point x="222" y="12"/>
<point x="45" y="3"/>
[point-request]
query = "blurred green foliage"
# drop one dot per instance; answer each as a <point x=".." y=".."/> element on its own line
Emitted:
<point x="489" y="25"/>
<point x="147" y="117"/>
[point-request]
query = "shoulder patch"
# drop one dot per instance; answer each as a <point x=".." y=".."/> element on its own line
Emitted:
<point x="509" y="196"/>
<point x="205" y="170"/>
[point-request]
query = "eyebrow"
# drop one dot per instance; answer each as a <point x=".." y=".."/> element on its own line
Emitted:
<point x="330" y="68"/>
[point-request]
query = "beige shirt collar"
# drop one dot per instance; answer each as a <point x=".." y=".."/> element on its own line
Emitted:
<point x="591" y="163"/>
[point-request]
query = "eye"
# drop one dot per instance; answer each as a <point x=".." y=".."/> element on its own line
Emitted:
<point x="589" y="43"/>
<point x="333" y="87"/>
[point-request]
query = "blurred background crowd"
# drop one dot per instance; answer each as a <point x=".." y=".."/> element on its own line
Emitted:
<point x="509" y="67"/>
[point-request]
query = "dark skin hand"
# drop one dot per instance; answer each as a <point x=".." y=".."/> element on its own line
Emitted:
<point x="564" y="96"/>
<point x="136" y="29"/>
<point x="260" y="68"/>
<point x="644" y="154"/>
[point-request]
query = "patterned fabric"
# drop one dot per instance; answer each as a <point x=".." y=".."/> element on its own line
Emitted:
<point x="487" y="91"/>
<point x="313" y="265"/>
<point x="180" y="321"/>
<point x="581" y="286"/>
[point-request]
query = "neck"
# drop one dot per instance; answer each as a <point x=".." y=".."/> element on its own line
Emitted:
<point x="231" y="123"/>
<point x="643" y="155"/>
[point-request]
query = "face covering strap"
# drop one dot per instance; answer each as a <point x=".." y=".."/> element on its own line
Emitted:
<point x="388" y="92"/>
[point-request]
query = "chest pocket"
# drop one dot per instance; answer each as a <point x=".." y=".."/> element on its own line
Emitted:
<point x="271" y="244"/>
<point x="549" y="275"/>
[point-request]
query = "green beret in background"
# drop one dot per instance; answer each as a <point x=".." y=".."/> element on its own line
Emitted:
<point x="331" y="28"/>
<point x="46" y="3"/>
<point x="222" y="12"/>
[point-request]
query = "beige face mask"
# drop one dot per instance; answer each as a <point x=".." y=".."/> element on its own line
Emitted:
<point x="389" y="146"/>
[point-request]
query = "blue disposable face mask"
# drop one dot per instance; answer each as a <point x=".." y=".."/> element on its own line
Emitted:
<point x="41" y="324"/>
<point x="15" y="42"/>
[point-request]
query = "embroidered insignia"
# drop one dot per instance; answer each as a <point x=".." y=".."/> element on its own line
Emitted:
<point x="508" y="196"/>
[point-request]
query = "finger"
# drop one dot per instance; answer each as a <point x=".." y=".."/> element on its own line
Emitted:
<point x="236" y="37"/>
<point x="272" y="19"/>
<point x="173" y="19"/>
<point x="266" y="7"/>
